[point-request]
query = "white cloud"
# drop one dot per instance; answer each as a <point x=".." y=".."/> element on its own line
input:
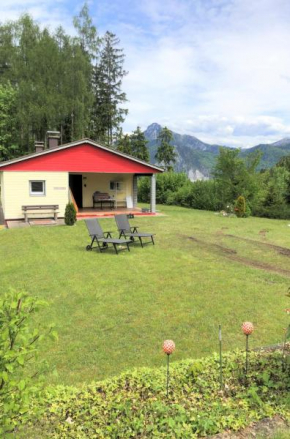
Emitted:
<point x="218" y="69"/>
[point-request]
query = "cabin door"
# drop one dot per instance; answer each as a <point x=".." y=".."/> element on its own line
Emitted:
<point x="76" y="186"/>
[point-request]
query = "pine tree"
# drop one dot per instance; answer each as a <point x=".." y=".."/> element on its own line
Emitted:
<point x="107" y="115"/>
<point x="124" y="143"/>
<point x="165" y="153"/>
<point x="139" y="145"/>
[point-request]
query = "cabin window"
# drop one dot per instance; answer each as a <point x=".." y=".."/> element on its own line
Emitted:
<point x="115" y="185"/>
<point x="37" y="187"/>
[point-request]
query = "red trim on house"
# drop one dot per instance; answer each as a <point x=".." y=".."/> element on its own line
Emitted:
<point x="82" y="158"/>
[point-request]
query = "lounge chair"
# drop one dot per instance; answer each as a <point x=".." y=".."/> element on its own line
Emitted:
<point x="103" y="239"/>
<point x="126" y="230"/>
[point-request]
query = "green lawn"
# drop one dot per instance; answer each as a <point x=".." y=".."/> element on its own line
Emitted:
<point x="113" y="312"/>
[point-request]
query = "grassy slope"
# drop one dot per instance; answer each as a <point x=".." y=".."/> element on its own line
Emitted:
<point x="113" y="312"/>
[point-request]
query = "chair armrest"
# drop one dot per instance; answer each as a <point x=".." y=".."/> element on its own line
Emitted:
<point x="109" y="234"/>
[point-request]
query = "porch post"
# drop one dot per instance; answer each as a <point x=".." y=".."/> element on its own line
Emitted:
<point x="135" y="191"/>
<point x="153" y="194"/>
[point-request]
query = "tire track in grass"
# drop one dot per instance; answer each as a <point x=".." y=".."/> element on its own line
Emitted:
<point x="281" y="250"/>
<point x="233" y="256"/>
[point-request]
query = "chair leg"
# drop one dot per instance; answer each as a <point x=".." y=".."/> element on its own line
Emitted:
<point x="115" y="247"/>
<point x="100" y="248"/>
<point x="140" y="239"/>
<point x="128" y="246"/>
<point x="152" y="240"/>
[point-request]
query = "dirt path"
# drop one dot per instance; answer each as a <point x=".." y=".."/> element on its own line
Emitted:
<point x="233" y="256"/>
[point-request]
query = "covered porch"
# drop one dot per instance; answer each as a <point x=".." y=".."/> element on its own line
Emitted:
<point x="107" y="194"/>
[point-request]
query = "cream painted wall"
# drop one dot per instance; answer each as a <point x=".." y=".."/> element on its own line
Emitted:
<point x="101" y="182"/>
<point x="1" y="190"/>
<point x="16" y="192"/>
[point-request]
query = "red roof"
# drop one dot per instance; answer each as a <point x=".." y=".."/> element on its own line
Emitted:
<point x="82" y="156"/>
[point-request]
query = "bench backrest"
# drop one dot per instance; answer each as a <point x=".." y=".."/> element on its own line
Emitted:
<point x="98" y="196"/>
<point x="94" y="228"/>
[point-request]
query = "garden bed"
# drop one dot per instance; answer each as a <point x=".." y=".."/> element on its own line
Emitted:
<point x="135" y="403"/>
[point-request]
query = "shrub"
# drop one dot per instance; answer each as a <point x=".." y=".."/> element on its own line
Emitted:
<point x="70" y="215"/>
<point x="240" y="206"/>
<point x="135" y="404"/>
<point x="19" y="380"/>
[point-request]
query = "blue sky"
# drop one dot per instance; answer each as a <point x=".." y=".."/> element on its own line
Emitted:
<point x="216" y="69"/>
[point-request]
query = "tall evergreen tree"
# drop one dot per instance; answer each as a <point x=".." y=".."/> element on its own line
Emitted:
<point x="124" y="143"/>
<point x="107" y="114"/>
<point x="139" y="145"/>
<point x="165" y="153"/>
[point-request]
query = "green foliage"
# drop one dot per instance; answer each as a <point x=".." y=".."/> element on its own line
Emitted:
<point x="275" y="187"/>
<point x="240" y="207"/>
<point x="201" y="195"/>
<point x="107" y="115"/>
<point x="176" y="189"/>
<point x="59" y="82"/>
<point x="124" y="144"/>
<point x="19" y="379"/>
<point x="70" y="214"/>
<point x="134" y="144"/>
<point x="166" y="185"/>
<point x="165" y="152"/>
<point x="134" y="404"/>
<point x="8" y="97"/>
<point x="236" y="176"/>
<point x="265" y="194"/>
<point x="139" y="145"/>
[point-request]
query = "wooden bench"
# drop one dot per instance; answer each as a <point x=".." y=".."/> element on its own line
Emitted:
<point x="40" y="207"/>
<point x="102" y="198"/>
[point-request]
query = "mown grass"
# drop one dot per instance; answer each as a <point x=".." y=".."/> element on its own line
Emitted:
<point x="113" y="312"/>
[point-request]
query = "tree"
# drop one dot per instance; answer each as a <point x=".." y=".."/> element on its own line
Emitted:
<point x="165" y="153"/>
<point x="87" y="32"/>
<point x="277" y="184"/>
<point x="285" y="163"/>
<point x="139" y="145"/>
<point x="8" y="127"/>
<point x="107" y="115"/>
<point x="236" y="176"/>
<point x="124" y="143"/>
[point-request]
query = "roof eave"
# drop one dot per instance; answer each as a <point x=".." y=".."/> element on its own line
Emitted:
<point x="78" y="142"/>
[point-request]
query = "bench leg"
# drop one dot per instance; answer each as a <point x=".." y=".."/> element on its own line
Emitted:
<point x="55" y="216"/>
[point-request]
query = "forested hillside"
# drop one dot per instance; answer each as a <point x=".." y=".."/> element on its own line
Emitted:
<point x="50" y="80"/>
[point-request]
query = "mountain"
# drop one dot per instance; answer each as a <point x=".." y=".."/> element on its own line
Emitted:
<point x="197" y="158"/>
<point x="272" y="152"/>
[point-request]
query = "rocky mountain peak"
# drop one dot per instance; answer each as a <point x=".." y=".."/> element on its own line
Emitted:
<point x="152" y="131"/>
